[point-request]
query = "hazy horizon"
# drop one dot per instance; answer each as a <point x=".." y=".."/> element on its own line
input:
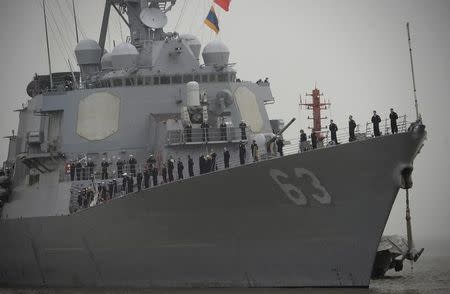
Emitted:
<point x="355" y="51"/>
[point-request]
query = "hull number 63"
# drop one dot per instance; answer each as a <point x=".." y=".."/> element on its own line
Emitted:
<point x="296" y="194"/>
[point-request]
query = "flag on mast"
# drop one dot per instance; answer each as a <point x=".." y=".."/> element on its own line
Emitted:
<point x="212" y="21"/>
<point x="225" y="4"/>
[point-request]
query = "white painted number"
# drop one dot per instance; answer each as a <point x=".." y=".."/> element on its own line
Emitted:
<point x="296" y="194"/>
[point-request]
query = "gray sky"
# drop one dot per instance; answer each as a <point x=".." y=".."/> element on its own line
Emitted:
<point x="355" y="50"/>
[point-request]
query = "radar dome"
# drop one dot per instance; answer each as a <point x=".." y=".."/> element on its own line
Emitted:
<point x="107" y="61"/>
<point x="88" y="52"/>
<point x="216" y="53"/>
<point x="124" y="56"/>
<point x="194" y="44"/>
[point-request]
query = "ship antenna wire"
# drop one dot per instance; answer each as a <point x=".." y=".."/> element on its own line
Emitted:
<point x="48" y="48"/>
<point x="75" y="20"/>
<point x="412" y="72"/>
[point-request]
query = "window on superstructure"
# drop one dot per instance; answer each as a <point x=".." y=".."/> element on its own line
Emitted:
<point x="197" y="78"/>
<point x="155" y="80"/>
<point x="187" y="78"/>
<point x="223" y="77"/>
<point x="117" y="83"/>
<point x="148" y="80"/>
<point x="129" y="82"/>
<point x="140" y="81"/>
<point x="204" y="78"/>
<point x="233" y="77"/>
<point x="212" y="78"/>
<point x="165" y="80"/>
<point x="33" y="179"/>
<point x="177" y="80"/>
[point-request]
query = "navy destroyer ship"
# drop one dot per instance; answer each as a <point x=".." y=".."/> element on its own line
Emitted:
<point x="312" y="218"/>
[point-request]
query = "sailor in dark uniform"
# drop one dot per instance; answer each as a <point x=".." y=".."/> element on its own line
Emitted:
<point x="132" y="162"/>
<point x="202" y="164"/>
<point x="164" y="173"/>
<point x="147" y="178"/>
<point x="205" y="130"/>
<point x="105" y="166"/>
<point x="154" y="171"/>
<point x="78" y="168"/>
<point x="139" y="181"/>
<point x="124" y="183"/>
<point x="190" y="166"/>
<point x="119" y="165"/>
<point x="188" y="132"/>
<point x="333" y="129"/>
<point x="280" y="145"/>
<point x="226" y="157"/>
<point x="313" y="139"/>
<point x="223" y="130"/>
<point x="243" y="127"/>
<point x="393" y="117"/>
<point x="90" y="167"/>
<point x="242" y="152"/>
<point x="72" y="171"/>
<point x="130" y="184"/>
<point x="376" y="124"/>
<point x="213" y="160"/>
<point x="170" y="168"/>
<point x="351" y="129"/>
<point x="180" y="168"/>
<point x="254" y="148"/>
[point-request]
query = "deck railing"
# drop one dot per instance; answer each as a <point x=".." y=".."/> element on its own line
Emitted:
<point x="210" y="135"/>
<point x="292" y="147"/>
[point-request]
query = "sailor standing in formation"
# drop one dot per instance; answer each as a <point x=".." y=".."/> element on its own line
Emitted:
<point x="170" y="168"/>
<point x="333" y="129"/>
<point x="226" y="157"/>
<point x="313" y="139"/>
<point x="243" y="126"/>
<point x="139" y="181"/>
<point x="190" y="166"/>
<point x="205" y="130"/>
<point x="376" y="124"/>
<point x="146" y="178"/>
<point x="280" y="145"/>
<point x="164" y="173"/>
<point x="223" y="130"/>
<point x="155" y="176"/>
<point x="132" y="162"/>
<point x="119" y="165"/>
<point x="242" y="152"/>
<point x="254" y="148"/>
<point x="393" y="117"/>
<point x="351" y="129"/>
<point x="180" y="168"/>
<point x="105" y="165"/>
<point x="303" y="141"/>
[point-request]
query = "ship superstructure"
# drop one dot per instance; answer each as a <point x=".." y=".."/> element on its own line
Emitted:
<point x="293" y="220"/>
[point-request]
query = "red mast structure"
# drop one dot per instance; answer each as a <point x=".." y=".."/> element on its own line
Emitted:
<point x="316" y="105"/>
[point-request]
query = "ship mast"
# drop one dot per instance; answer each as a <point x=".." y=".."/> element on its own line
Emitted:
<point x="316" y="105"/>
<point x="146" y="19"/>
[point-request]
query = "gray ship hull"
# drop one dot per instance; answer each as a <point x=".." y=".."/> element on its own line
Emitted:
<point x="310" y="219"/>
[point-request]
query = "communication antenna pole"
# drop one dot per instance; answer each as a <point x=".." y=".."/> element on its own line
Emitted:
<point x="48" y="48"/>
<point x="412" y="72"/>
<point x="75" y="20"/>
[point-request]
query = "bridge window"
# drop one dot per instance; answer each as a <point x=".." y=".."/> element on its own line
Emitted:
<point x="129" y="82"/>
<point x="165" y="80"/>
<point x="187" y="78"/>
<point x="117" y="82"/>
<point x="223" y="77"/>
<point x="176" y="80"/>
